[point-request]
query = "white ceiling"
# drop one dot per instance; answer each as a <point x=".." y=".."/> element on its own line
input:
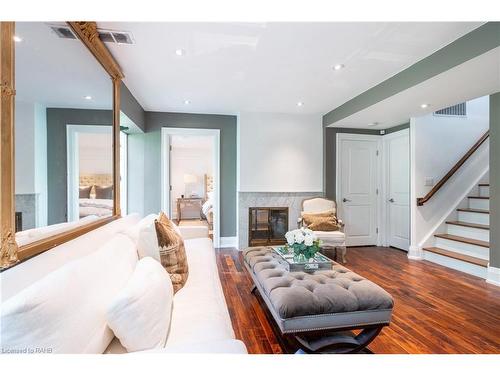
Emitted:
<point x="477" y="77"/>
<point x="58" y="72"/>
<point x="269" y="67"/>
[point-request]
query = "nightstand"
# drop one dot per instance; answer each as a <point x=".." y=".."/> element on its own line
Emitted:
<point x="183" y="202"/>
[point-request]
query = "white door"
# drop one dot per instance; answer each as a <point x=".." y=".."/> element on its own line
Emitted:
<point x="397" y="151"/>
<point x="357" y="187"/>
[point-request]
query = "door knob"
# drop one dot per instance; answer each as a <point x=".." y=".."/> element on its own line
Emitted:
<point x="346" y="200"/>
<point x="391" y="200"/>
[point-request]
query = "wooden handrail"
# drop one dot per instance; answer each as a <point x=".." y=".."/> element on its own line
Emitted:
<point x="439" y="185"/>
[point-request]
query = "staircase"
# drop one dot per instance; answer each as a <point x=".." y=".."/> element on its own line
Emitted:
<point x="465" y="244"/>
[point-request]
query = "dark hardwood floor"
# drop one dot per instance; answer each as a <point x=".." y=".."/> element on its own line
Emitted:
<point x="437" y="310"/>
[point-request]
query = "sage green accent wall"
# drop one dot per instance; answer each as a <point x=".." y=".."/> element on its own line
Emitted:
<point x="495" y="180"/>
<point x="57" y="181"/>
<point x="473" y="44"/>
<point x="131" y="107"/>
<point x="398" y="128"/>
<point x="330" y="152"/>
<point x="152" y="160"/>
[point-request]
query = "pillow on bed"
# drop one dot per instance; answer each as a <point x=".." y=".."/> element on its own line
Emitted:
<point x="103" y="192"/>
<point x="85" y="191"/>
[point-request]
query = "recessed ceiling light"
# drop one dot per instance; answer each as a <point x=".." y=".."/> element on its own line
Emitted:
<point x="373" y="123"/>
<point x="87" y="97"/>
<point x="187" y="101"/>
<point x="338" y="66"/>
<point x="425" y="105"/>
<point x="180" y="52"/>
<point x="300" y="104"/>
<point x="17" y="39"/>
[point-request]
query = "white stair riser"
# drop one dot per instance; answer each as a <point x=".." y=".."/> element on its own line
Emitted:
<point x="456" y="264"/>
<point x="479" y="204"/>
<point x="484" y="191"/>
<point x="474" y="217"/>
<point x="475" y="233"/>
<point x="463" y="248"/>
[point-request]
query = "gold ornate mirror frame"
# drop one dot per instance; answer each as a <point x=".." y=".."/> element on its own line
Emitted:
<point x="10" y="253"/>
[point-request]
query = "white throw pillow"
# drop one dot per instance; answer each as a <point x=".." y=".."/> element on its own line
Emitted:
<point x="65" y="311"/>
<point x="140" y="314"/>
<point x="144" y="236"/>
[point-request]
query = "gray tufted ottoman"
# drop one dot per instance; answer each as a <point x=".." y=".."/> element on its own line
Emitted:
<point x="320" y="308"/>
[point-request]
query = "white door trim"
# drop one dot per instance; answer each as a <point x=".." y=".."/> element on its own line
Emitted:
<point x="385" y="228"/>
<point x="124" y="173"/>
<point x="73" y="165"/>
<point x="166" y="132"/>
<point x="360" y="137"/>
<point x="415" y="251"/>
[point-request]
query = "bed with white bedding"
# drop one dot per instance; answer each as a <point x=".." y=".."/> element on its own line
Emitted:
<point x="94" y="206"/>
<point x="95" y="197"/>
<point x="207" y="209"/>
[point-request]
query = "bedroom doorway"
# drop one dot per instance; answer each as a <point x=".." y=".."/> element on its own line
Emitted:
<point x="89" y="171"/>
<point x="190" y="178"/>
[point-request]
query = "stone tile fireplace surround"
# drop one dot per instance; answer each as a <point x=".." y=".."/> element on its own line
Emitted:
<point x="267" y="199"/>
<point x="27" y="204"/>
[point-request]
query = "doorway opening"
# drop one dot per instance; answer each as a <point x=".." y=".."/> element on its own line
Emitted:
<point x="190" y="178"/>
<point x="89" y="171"/>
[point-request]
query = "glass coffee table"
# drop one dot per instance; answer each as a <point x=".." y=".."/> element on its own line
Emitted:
<point x="300" y="263"/>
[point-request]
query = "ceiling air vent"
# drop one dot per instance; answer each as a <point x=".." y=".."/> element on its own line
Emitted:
<point x="118" y="37"/>
<point x="458" y="110"/>
<point x="107" y="36"/>
<point x="64" y="32"/>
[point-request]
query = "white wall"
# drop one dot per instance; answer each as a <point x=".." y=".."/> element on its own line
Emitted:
<point x="25" y="147"/>
<point x="280" y="152"/>
<point x="437" y="144"/>
<point x="31" y="155"/>
<point x="442" y="141"/>
<point x="95" y="153"/>
<point x="40" y="163"/>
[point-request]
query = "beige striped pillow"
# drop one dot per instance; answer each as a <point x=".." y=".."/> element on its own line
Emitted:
<point x="172" y="252"/>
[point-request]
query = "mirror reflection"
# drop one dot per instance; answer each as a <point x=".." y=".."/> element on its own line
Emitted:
<point x="63" y="133"/>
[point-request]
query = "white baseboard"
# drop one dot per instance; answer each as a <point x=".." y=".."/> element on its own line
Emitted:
<point x="228" y="242"/>
<point x="493" y="276"/>
<point x="415" y="253"/>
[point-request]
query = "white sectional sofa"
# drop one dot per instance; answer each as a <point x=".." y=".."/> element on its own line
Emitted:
<point x="57" y="301"/>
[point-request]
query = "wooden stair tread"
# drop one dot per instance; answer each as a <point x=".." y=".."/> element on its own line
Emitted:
<point x="478" y="197"/>
<point x="475" y="210"/>
<point x="484" y="184"/>
<point x="469" y="225"/>
<point x="470" y="241"/>
<point x="458" y="256"/>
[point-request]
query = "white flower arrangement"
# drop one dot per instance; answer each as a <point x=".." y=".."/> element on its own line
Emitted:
<point x="303" y="241"/>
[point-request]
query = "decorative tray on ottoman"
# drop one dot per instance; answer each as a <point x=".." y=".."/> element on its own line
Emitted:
<point x="300" y="264"/>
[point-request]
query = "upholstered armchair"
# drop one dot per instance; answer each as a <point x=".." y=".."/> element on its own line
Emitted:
<point x="333" y="242"/>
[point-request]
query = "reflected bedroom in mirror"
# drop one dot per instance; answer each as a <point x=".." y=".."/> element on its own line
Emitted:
<point x="63" y="133"/>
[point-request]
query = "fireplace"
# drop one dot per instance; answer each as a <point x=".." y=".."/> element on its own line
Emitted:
<point x="267" y="225"/>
